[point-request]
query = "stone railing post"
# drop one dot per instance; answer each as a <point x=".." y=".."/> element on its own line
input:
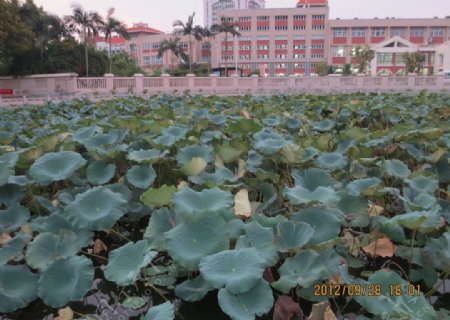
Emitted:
<point x="213" y="77"/>
<point x="439" y="83"/>
<point x="235" y="78"/>
<point x="360" y="81"/>
<point x="291" y="82"/>
<point x="109" y="82"/>
<point x="412" y="81"/>
<point x="191" y="83"/>
<point x="139" y="78"/>
<point x="166" y="82"/>
<point x="72" y="86"/>
<point x="255" y="80"/>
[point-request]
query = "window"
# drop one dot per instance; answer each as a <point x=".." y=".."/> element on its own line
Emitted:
<point x="378" y="32"/>
<point x="227" y="57"/>
<point x="417" y="32"/>
<point x="318" y="37"/>
<point x="244" y="57"/>
<point x="280" y="65"/>
<point x="384" y="58"/>
<point x="206" y="46"/>
<point x="156" y="45"/>
<point x="183" y="45"/>
<point x="317" y="56"/>
<point x="262" y="28"/>
<point x="400" y="32"/>
<point x="281" y="46"/>
<point x="245" y="28"/>
<point x="263" y="47"/>
<point x="245" y="38"/>
<point x="206" y="58"/>
<point x="146" y="60"/>
<point x="339" y="32"/>
<point x="245" y="47"/>
<point x="298" y="37"/>
<point x="437" y="32"/>
<point x="245" y="19"/>
<point x="281" y="27"/>
<point x="299" y="27"/>
<point x="244" y="66"/>
<point x="281" y="37"/>
<point x="133" y="47"/>
<point x="280" y="56"/>
<point x="262" y="18"/>
<point x="281" y="18"/>
<point x="317" y="46"/>
<point x="318" y="26"/>
<point x="318" y="17"/>
<point x="358" y="32"/>
<point x="263" y="38"/>
<point x="146" y="46"/>
<point x="156" y="60"/>
<point x="227" y="19"/>
<point x="299" y="17"/>
<point x="227" y="48"/>
<point x="399" y="60"/>
<point x="298" y="65"/>
<point x="263" y="56"/>
<point x="337" y="51"/>
<point x="299" y="56"/>
<point x="299" y="46"/>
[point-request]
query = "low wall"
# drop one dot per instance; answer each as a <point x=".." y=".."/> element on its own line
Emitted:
<point x="52" y="86"/>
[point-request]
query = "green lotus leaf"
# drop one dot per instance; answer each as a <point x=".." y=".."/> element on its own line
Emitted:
<point x="56" y="166"/>
<point x="423" y="184"/>
<point x="96" y="209"/>
<point x="306" y="268"/>
<point x="145" y="155"/>
<point x="66" y="280"/>
<point x="228" y="153"/>
<point x="158" y="197"/>
<point x="99" y="172"/>
<point x="134" y="302"/>
<point x="421" y="220"/>
<point x="313" y="178"/>
<point x="188" y="201"/>
<point x="165" y="311"/>
<point x="245" y="306"/>
<point x="269" y="142"/>
<point x="236" y="270"/>
<point x="218" y="178"/>
<point x="13" y="248"/>
<point x="293" y="123"/>
<point x="161" y="221"/>
<point x="326" y="223"/>
<point x="18" y="287"/>
<point x="294" y="235"/>
<point x="6" y="138"/>
<point x="291" y="153"/>
<point x="125" y="263"/>
<point x="254" y="161"/>
<point x="245" y="126"/>
<point x="324" y="125"/>
<point x="269" y="194"/>
<point x="187" y="153"/>
<point x="48" y="247"/>
<point x="355" y="209"/>
<point x="121" y="189"/>
<point x="262" y="239"/>
<point x="299" y="195"/>
<point x="13" y="217"/>
<point x="356" y="133"/>
<point x="199" y="235"/>
<point x="356" y="187"/>
<point x="141" y="176"/>
<point x="272" y="121"/>
<point x="194" y="167"/>
<point x="83" y="134"/>
<point x="193" y="290"/>
<point x="331" y="161"/>
<point x="217" y="119"/>
<point x="7" y="166"/>
<point x="443" y="168"/>
<point x="171" y="135"/>
<point x="395" y="168"/>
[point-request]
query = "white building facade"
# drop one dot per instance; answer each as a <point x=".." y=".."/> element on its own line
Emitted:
<point x="212" y="7"/>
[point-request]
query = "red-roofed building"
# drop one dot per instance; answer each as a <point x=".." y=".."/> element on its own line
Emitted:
<point x="312" y="3"/>
<point x="139" y="29"/>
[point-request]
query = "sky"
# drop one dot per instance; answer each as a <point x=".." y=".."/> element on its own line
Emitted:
<point x="160" y="14"/>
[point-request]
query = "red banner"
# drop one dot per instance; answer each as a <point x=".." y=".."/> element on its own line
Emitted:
<point x="6" y="91"/>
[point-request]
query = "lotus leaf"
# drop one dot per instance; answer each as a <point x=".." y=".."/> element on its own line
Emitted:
<point x="18" y="287"/>
<point x="199" y="235"/>
<point x="244" y="306"/>
<point x="395" y="168"/>
<point x="56" y="166"/>
<point x="158" y="197"/>
<point x="193" y="290"/>
<point x="13" y="217"/>
<point x="188" y="201"/>
<point x="141" y="176"/>
<point x="145" y="155"/>
<point x="294" y="235"/>
<point x="299" y="195"/>
<point x="186" y="154"/>
<point x="165" y="311"/>
<point x="99" y="172"/>
<point x="7" y="165"/>
<point x="171" y="135"/>
<point x="269" y="142"/>
<point x="313" y="178"/>
<point x="161" y="221"/>
<point x="423" y="184"/>
<point x="125" y="263"/>
<point x="194" y="167"/>
<point x="13" y="248"/>
<point x="66" y="280"/>
<point x="356" y="187"/>
<point x="331" y="161"/>
<point x="96" y="209"/>
<point x="236" y="270"/>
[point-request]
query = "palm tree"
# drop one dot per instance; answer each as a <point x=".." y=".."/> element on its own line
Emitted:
<point x="111" y="26"/>
<point x="226" y="27"/>
<point x="85" y="24"/>
<point x="172" y="45"/>
<point x="208" y="33"/>
<point x="363" y="57"/>
<point x="188" y="29"/>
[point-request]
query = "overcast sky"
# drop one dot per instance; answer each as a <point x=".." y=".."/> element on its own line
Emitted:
<point x="160" y="14"/>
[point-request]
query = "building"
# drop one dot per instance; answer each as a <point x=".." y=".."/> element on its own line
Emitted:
<point x="212" y="8"/>
<point x="118" y="44"/>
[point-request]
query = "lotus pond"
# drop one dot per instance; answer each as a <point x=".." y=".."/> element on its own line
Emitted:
<point x="192" y="207"/>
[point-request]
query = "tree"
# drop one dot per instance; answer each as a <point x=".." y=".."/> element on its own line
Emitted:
<point x="347" y="71"/>
<point x="363" y="56"/>
<point x="123" y="65"/>
<point x="111" y="26"/>
<point x="208" y="33"/>
<point x="85" y="24"/>
<point x="414" y="61"/>
<point x="172" y="45"/>
<point x="188" y="29"/>
<point x="228" y="28"/>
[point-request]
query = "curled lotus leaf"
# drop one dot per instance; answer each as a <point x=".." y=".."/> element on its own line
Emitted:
<point x="269" y="142"/>
<point x="18" y="287"/>
<point x="236" y="270"/>
<point x="187" y="153"/>
<point x="193" y="290"/>
<point x="395" y="168"/>
<point x="331" y="160"/>
<point x="141" y="156"/>
<point x="165" y="311"/>
<point x="96" y="209"/>
<point x="13" y="217"/>
<point x="188" y="201"/>
<point x="299" y="195"/>
<point x="56" y="166"/>
<point x="66" y="280"/>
